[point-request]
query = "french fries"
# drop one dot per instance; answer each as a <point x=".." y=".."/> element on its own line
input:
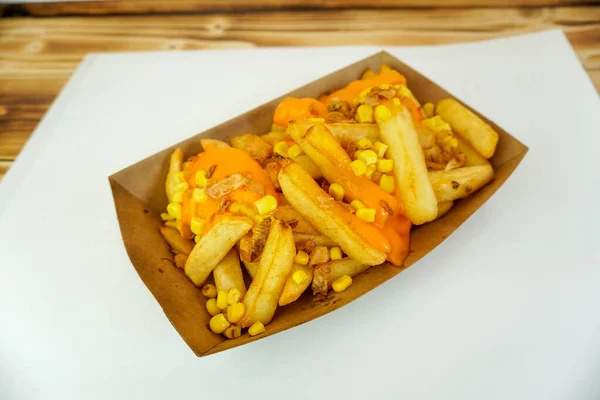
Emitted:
<point x="251" y="268"/>
<point x="325" y="274"/>
<point x="478" y="133"/>
<point x="443" y="208"/>
<point x="215" y="245"/>
<point x="472" y="157"/>
<point x="330" y="218"/>
<point x="293" y="218"/>
<point x="176" y="241"/>
<point x="213" y="143"/>
<point x="310" y="240"/>
<point x="297" y="282"/>
<point x="258" y="148"/>
<point x="414" y="189"/>
<point x="175" y="163"/>
<point x="228" y="273"/>
<point x="275" y="266"/>
<point x="351" y="133"/>
<point x="460" y="182"/>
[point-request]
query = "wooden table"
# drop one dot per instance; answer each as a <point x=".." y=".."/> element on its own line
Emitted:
<point x="42" y="44"/>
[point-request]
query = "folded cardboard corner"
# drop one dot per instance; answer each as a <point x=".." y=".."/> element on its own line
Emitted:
<point x="139" y="197"/>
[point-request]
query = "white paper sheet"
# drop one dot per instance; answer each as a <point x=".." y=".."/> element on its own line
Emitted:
<point x="507" y="307"/>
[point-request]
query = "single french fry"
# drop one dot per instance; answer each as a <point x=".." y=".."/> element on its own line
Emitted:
<point x="413" y="187"/>
<point x="228" y="273"/>
<point x="180" y="260"/>
<point x="175" y="163"/>
<point x="275" y="266"/>
<point x="443" y="208"/>
<point x="464" y="122"/>
<point x="298" y="223"/>
<point x="325" y="274"/>
<point x="213" y="143"/>
<point x="309" y="166"/>
<point x="345" y="132"/>
<point x="176" y="241"/>
<point x="356" y="237"/>
<point x="293" y="289"/>
<point x="460" y="182"/>
<point x="258" y="148"/>
<point x="472" y="157"/>
<point x="214" y="246"/>
<point x="251" y="268"/>
<point x="317" y="239"/>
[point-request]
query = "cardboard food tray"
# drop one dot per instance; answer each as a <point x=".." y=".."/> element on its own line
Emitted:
<point x="139" y="197"/>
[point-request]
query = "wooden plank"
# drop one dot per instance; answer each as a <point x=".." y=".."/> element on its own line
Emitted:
<point x="174" y="6"/>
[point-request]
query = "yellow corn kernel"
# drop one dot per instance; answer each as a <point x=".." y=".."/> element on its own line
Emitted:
<point x="294" y="151"/>
<point x="341" y="283"/>
<point x="233" y="332"/>
<point x="396" y="101"/>
<point x="201" y="179"/>
<point x="428" y="109"/>
<point x="370" y="170"/>
<point x="364" y="113"/>
<point x="209" y="290"/>
<point x="368" y="74"/>
<point x="177" y="197"/>
<point x="233" y="296"/>
<point x="316" y="120"/>
<point x="376" y="176"/>
<point x="197" y="225"/>
<point x="235" y="208"/>
<point x="166" y="217"/>
<point x="199" y="195"/>
<point x="219" y="323"/>
<point x="266" y="204"/>
<point x="235" y="312"/>
<point x="281" y="148"/>
<point x="368" y="157"/>
<point x="300" y="277"/>
<point x="380" y="148"/>
<point x="197" y="238"/>
<point x="301" y="258"/>
<point x="356" y="154"/>
<point x="383" y="113"/>
<point x="256" y="329"/>
<point x="404" y="92"/>
<point x="387" y="183"/>
<point x="357" y="204"/>
<point x="364" y="144"/>
<point x="385" y="86"/>
<point x="222" y="299"/>
<point x="179" y="177"/>
<point x="181" y="187"/>
<point x="211" y="307"/>
<point x="171" y="224"/>
<point x="366" y="214"/>
<point x="436" y="124"/>
<point x="385" y="165"/>
<point x="335" y="253"/>
<point x="336" y="191"/>
<point x="358" y="167"/>
<point x="174" y="210"/>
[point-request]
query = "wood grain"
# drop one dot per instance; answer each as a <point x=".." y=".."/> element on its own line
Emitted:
<point x="38" y="55"/>
<point x="174" y="6"/>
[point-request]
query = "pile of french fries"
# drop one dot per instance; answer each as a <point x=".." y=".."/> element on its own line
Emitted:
<point x="332" y="190"/>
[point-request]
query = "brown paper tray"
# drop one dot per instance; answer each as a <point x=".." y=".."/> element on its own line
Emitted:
<point x="139" y="197"/>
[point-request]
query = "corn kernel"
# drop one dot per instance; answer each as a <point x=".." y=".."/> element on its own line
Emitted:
<point x="364" y="113"/>
<point x="219" y="323"/>
<point x="370" y="170"/>
<point x="295" y="151"/>
<point x="233" y="296"/>
<point x="336" y="191"/>
<point x="266" y="204"/>
<point x="364" y="144"/>
<point x="209" y="290"/>
<point x="356" y="154"/>
<point x="403" y="91"/>
<point x="335" y="253"/>
<point x="387" y="183"/>
<point x="199" y="195"/>
<point x="248" y="210"/>
<point x="181" y="187"/>
<point x="316" y="120"/>
<point x="366" y="214"/>
<point x="358" y="167"/>
<point x="385" y="165"/>
<point x="385" y="86"/>
<point x="211" y="307"/>
<point x="166" y="217"/>
<point x="197" y="238"/>
<point x="222" y="299"/>
<point x="256" y="329"/>
<point x="179" y="177"/>
<point x="342" y="283"/>
<point x="235" y="312"/>
<point x="428" y="109"/>
<point x="376" y="176"/>
<point x="233" y="332"/>
<point x="380" y="148"/>
<point x="299" y="277"/>
<point x="281" y="148"/>
<point x="357" y="204"/>
<point x="301" y="258"/>
<point x="171" y="224"/>
<point x="174" y="210"/>
<point x="368" y="157"/>
<point x="235" y="208"/>
<point x="383" y="113"/>
<point x="201" y="179"/>
<point x="396" y="101"/>
<point x="177" y="197"/>
<point x="197" y="225"/>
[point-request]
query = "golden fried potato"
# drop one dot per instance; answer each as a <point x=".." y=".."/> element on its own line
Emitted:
<point x="319" y="255"/>
<point x="251" y="268"/>
<point x="293" y="218"/>
<point x="175" y="164"/>
<point x="180" y="260"/>
<point x="325" y="274"/>
<point x="295" y="285"/>
<point x="272" y="169"/>
<point x="228" y="273"/>
<point x="460" y="182"/>
<point x="346" y="132"/>
<point x="218" y="144"/>
<point x="443" y="208"/>
<point x="464" y="122"/>
<point x="275" y="266"/>
<point x="258" y="148"/>
<point x="214" y="246"/>
<point x="176" y="241"/>
<point x="472" y="157"/>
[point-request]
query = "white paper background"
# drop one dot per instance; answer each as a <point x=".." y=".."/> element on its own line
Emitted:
<point x="507" y="308"/>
